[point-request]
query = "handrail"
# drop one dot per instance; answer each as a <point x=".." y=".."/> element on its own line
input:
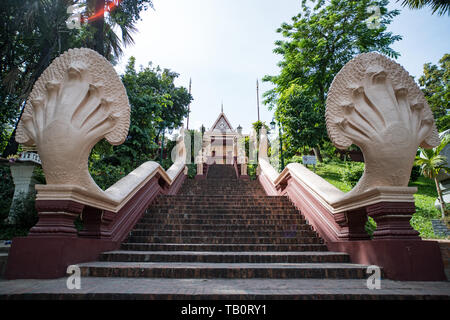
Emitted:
<point x="331" y="197"/>
<point x="117" y="195"/>
<point x="328" y="209"/>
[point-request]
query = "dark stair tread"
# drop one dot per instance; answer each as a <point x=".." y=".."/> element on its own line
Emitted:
<point x="232" y="253"/>
<point x="206" y="265"/>
<point x="220" y="247"/>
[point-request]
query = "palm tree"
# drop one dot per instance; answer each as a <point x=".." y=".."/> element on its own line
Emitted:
<point x="441" y="6"/>
<point x="431" y="163"/>
<point x="111" y="15"/>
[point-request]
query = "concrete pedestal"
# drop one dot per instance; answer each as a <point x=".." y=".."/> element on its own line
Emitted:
<point x="22" y="173"/>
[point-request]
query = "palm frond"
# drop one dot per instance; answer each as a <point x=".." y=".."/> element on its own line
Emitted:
<point x="444" y="142"/>
<point x="439" y="6"/>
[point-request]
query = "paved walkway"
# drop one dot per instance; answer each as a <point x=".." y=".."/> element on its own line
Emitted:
<point x="138" y="288"/>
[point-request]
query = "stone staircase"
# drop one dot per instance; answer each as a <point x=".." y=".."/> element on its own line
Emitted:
<point x="223" y="228"/>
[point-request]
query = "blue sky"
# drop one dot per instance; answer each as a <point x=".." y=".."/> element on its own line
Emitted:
<point x="224" y="46"/>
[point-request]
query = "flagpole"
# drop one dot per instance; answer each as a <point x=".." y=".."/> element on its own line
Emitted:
<point x="257" y="96"/>
<point x="189" y="107"/>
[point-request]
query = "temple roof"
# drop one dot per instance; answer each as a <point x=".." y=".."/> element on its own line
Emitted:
<point x="222" y="123"/>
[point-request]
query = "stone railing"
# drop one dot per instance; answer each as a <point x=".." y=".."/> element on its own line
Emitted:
<point x="77" y="101"/>
<point x="375" y="104"/>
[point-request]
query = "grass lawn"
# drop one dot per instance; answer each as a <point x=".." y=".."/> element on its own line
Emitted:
<point x="424" y="198"/>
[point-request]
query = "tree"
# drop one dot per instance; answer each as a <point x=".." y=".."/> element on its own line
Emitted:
<point x="441" y="6"/>
<point x="105" y="16"/>
<point x="156" y="104"/>
<point x="302" y="125"/>
<point x="34" y="32"/>
<point x="317" y="45"/>
<point x="258" y="125"/>
<point x="435" y="83"/>
<point x="431" y="163"/>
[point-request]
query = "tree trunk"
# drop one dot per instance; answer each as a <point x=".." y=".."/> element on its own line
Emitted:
<point x="441" y="200"/>
<point x="98" y="24"/>
<point x="317" y="153"/>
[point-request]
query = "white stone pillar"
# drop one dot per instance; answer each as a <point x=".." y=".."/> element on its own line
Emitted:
<point x="22" y="173"/>
<point x="200" y="168"/>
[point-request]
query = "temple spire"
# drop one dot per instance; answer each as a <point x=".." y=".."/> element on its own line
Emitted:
<point x="222" y="108"/>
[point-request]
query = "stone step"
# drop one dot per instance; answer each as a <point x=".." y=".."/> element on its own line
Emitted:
<point x="223" y="227"/>
<point x="217" y="233"/>
<point x="232" y="203"/>
<point x="103" y="288"/>
<point x="225" y="257"/>
<point x="219" y="186"/>
<point x="211" y="220"/>
<point x="223" y="209"/>
<point x="227" y="213"/>
<point x="238" y="247"/>
<point x="219" y="215"/>
<point x="220" y="192"/>
<point x="194" y="270"/>
<point x="214" y="240"/>
<point x="222" y="197"/>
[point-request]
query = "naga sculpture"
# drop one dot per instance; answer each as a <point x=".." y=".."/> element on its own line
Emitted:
<point x="77" y="101"/>
<point x="375" y="104"/>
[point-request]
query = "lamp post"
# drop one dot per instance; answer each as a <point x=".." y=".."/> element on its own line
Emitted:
<point x="273" y="126"/>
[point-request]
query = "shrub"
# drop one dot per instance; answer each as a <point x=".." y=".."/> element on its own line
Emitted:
<point x="352" y="172"/>
<point x="192" y="170"/>
<point x="251" y="171"/>
<point x="370" y="226"/>
<point x="105" y="174"/>
<point x="294" y="159"/>
<point x="24" y="211"/>
<point x="6" y="192"/>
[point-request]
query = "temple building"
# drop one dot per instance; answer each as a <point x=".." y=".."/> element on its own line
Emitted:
<point x="218" y="141"/>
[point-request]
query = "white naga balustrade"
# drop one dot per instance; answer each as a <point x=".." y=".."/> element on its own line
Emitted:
<point x="77" y="101"/>
<point x="373" y="103"/>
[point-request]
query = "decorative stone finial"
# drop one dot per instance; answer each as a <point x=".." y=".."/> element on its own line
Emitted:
<point x="180" y="147"/>
<point x="263" y="143"/>
<point x="77" y="101"/>
<point x="375" y="104"/>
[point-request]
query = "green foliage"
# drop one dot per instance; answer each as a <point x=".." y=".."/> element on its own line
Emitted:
<point x="6" y="191"/>
<point x="431" y="161"/>
<point x="192" y="170"/>
<point x="303" y="125"/>
<point x="424" y="198"/>
<point x="317" y="44"/>
<point x="435" y="83"/>
<point x="251" y="171"/>
<point x="294" y="159"/>
<point x="352" y="172"/>
<point x="156" y="105"/>
<point x="106" y="174"/>
<point x="34" y="32"/>
<point x="257" y="125"/>
<point x="439" y="6"/>
<point x="25" y="212"/>
<point x="370" y="226"/>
